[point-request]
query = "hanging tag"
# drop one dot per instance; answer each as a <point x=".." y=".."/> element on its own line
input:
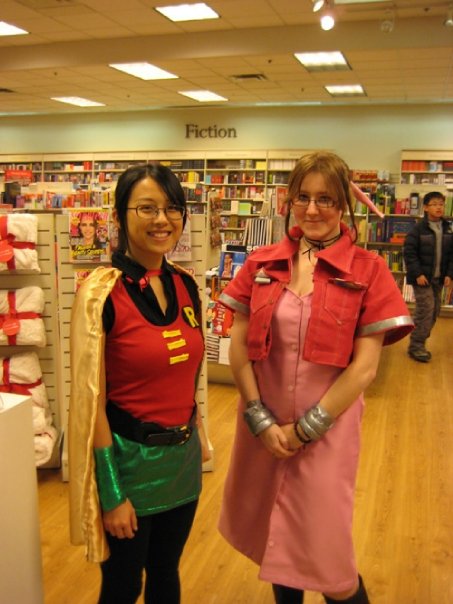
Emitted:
<point x="11" y="326"/>
<point x="6" y="251"/>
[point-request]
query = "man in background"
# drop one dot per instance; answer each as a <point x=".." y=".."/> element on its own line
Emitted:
<point x="428" y="255"/>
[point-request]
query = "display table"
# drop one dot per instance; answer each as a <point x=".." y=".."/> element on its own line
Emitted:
<point x="20" y="552"/>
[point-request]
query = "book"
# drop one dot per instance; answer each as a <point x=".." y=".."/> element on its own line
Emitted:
<point x="183" y="249"/>
<point x="222" y="320"/>
<point x="279" y="201"/>
<point x="245" y="207"/>
<point x="230" y="263"/>
<point x="397" y="229"/>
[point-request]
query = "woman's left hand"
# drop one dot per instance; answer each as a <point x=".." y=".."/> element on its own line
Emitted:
<point x="274" y="439"/>
<point x="293" y="442"/>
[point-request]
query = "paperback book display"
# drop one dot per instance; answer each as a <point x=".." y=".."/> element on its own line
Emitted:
<point x="219" y="318"/>
<point x="89" y="239"/>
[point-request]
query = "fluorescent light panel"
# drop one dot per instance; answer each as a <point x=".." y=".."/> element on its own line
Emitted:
<point x="6" y="29"/>
<point x="346" y="90"/>
<point x="188" y="12"/>
<point x="323" y="61"/>
<point x="203" y="96"/>
<point x="144" y="71"/>
<point x="77" y="100"/>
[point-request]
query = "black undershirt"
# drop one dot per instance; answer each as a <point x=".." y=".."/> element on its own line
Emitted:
<point x="145" y="300"/>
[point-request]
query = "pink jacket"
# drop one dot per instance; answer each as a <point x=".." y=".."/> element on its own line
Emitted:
<point x="354" y="295"/>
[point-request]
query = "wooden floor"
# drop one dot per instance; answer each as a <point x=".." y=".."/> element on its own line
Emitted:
<point x="404" y="507"/>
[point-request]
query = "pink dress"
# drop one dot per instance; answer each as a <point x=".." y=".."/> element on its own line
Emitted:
<point x="293" y="516"/>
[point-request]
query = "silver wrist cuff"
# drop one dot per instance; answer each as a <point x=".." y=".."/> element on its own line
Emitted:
<point x="316" y="422"/>
<point x="257" y="417"/>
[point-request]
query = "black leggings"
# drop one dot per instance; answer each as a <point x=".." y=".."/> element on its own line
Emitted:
<point x="156" y="548"/>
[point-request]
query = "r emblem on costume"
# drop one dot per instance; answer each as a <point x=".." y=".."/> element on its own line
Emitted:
<point x="189" y="316"/>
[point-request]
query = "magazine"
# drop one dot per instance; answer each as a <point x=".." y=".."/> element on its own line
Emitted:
<point x="89" y="239"/>
<point x="80" y="276"/>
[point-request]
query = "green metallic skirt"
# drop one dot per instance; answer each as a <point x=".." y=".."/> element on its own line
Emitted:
<point x="159" y="478"/>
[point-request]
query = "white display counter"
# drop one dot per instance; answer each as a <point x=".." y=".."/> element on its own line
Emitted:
<point x="20" y="552"/>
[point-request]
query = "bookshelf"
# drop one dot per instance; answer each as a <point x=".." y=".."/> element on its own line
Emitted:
<point x="243" y="180"/>
<point x="74" y="169"/>
<point x="22" y="169"/>
<point x="239" y="183"/>
<point x="190" y="172"/>
<point x="433" y="168"/>
<point x="107" y="167"/>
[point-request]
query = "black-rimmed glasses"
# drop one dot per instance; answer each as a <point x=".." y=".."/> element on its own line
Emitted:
<point x="148" y="211"/>
<point x="322" y="202"/>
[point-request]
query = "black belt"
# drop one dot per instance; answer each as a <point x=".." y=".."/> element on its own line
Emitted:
<point x="148" y="433"/>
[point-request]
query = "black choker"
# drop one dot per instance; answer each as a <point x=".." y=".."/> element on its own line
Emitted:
<point x="317" y="245"/>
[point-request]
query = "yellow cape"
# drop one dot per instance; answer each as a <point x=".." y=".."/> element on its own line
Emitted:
<point x="86" y="526"/>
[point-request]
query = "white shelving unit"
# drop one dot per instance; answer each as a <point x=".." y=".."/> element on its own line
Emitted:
<point x="20" y="556"/>
<point x="49" y="355"/>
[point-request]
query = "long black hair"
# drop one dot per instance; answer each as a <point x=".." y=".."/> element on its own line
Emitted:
<point x="165" y="179"/>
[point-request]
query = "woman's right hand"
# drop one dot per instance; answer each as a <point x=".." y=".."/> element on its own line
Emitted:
<point x="275" y="441"/>
<point x="121" y="522"/>
<point x="422" y="281"/>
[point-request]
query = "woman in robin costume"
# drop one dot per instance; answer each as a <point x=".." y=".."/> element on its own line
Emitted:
<point x="311" y="315"/>
<point x="135" y="436"/>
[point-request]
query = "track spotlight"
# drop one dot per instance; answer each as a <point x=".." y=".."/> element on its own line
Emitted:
<point x="449" y="20"/>
<point x="317" y="5"/>
<point x="327" y="17"/>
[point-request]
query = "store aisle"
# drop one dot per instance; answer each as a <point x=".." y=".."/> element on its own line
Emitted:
<point x="403" y="523"/>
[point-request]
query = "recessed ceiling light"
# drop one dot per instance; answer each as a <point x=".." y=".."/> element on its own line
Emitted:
<point x="6" y="29"/>
<point x="346" y="90"/>
<point x="204" y="96"/>
<point x="323" y="61"/>
<point x="77" y="100"/>
<point x="188" y="12"/>
<point x="144" y="71"/>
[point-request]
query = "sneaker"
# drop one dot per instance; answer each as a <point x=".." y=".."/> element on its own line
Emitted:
<point x="422" y="356"/>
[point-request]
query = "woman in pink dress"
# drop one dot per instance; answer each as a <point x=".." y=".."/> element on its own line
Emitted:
<point x="312" y="313"/>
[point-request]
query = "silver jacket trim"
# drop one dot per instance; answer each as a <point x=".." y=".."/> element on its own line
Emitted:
<point x="385" y="325"/>
<point x="234" y="304"/>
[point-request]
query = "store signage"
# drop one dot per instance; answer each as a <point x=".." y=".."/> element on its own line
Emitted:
<point x="195" y="131"/>
<point x="24" y="177"/>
